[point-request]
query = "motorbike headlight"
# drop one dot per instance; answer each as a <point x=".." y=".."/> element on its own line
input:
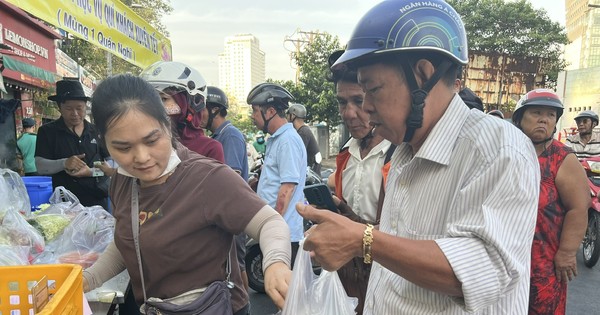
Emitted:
<point x="594" y="166"/>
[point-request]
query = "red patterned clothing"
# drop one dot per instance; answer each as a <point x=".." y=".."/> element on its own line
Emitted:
<point x="548" y="295"/>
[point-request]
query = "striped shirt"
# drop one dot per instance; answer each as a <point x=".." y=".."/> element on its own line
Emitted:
<point x="473" y="188"/>
<point x="592" y="148"/>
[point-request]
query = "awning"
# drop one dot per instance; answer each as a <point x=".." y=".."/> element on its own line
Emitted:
<point x="33" y="71"/>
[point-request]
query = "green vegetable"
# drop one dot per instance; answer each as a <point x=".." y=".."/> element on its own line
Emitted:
<point x="50" y="225"/>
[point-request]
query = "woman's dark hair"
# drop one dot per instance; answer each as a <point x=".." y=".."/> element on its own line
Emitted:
<point x="117" y="95"/>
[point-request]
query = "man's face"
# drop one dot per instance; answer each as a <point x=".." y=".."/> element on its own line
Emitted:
<point x="257" y="117"/>
<point x="585" y="125"/>
<point x="350" y="98"/>
<point x="73" y="112"/>
<point x="387" y="100"/>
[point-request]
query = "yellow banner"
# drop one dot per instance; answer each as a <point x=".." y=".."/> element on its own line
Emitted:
<point x="108" y="24"/>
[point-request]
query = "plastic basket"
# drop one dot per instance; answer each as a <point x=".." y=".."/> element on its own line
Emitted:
<point x="65" y="285"/>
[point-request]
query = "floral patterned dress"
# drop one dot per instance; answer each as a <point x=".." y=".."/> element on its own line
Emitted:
<point x="548" y="295"/>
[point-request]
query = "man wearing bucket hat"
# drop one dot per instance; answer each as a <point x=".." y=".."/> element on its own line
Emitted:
<point x="460" y="208"/>
<point x="68" y="148"/>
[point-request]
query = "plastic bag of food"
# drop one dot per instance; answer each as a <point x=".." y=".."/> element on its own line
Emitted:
<point x="14" y="255"/>
<point x="310" y="295"/>
<point x="50" y="225"/>
<point x="88" y="234"/>
<point x="13" y="194"/>
<point x="15" y="231"/>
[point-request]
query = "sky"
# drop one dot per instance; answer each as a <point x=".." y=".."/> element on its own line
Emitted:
<point x="197" y="29"/>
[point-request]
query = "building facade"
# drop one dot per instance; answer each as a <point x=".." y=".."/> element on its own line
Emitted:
<point x="241" y="66"/>
<point x="583" y="31"/>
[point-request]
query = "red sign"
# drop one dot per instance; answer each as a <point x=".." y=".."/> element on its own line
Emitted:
<point x="31" y="41"/>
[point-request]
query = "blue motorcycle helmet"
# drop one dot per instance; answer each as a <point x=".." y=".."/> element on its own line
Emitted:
<point x="397" y="27"/>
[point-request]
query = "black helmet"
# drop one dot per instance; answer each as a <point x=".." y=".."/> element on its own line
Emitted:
<point x="588" y="114"/>
<point x="496" y="113"/>
<point x="216" y="96"/>
<point x="269" y="94"/>
<point x="471" y="99"/>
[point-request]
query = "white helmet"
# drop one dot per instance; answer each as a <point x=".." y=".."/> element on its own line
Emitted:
<point x="178" y="76"/>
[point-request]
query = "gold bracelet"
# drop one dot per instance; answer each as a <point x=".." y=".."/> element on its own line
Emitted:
<point x="367" y="241"/>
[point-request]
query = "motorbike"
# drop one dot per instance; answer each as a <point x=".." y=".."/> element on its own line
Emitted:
<point x="254" y="256"/>
<point x="591" y="240"/>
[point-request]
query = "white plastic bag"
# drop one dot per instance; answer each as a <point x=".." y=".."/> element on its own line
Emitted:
<point x="311" y="295"/>
<point x="86" y="237"/>
<point x="13" y="194"/>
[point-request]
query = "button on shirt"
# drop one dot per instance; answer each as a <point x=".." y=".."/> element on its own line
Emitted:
<point x="361" y="179"/>
<point x="592" y="148"/>
<point x="285" y="162"/>
<point x="473" y="188"/>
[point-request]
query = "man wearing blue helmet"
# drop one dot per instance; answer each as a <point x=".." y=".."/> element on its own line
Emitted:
<point x="459" y="213"/>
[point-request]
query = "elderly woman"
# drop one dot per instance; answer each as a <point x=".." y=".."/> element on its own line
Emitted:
<point x="177" y="211"/>
<point x="563" y="204"/>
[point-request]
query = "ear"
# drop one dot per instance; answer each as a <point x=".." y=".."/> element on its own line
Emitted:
<point x="423" y="70"/>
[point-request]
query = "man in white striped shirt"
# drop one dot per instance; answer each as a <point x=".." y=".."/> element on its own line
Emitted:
<point x="586" y="143"/>
<point x="460" y="210"/>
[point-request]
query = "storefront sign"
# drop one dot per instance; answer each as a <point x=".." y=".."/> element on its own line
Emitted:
<point x="65" y="65"/>
<point x="108" y="24"/>
<point x="31" y="57"/>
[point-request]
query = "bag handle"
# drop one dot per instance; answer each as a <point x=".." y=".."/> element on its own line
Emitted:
<point x="135" y="229"/>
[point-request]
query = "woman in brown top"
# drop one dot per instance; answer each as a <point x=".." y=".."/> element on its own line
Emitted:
<point x="190" y="206"/>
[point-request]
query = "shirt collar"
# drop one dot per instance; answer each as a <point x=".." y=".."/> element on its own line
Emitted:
<point x="223" y="125"/>
<point x="282" y="129"/>
<point x="381" y="148"/>
<point x="442" y="138"/>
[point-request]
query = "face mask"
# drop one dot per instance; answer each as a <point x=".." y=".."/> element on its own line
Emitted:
<point x="173" y="162"/>
<point x="260" y="140"/>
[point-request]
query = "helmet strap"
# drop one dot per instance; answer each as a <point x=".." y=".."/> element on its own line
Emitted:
<point x="265" y="128"/>
<point x="211" y="116"/>
<point x="419" y="94"/>
<point x="545" y="140"/>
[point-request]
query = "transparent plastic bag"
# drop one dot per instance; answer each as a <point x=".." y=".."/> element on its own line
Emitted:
<point x="61" y="194"/>
<point x="14" y="255"/>
<point x="50" y="225"/>
<point x="88" y="235"/>
<point x="16" y="231"/>
<point x="311" y="295"/>
<point x="13" y="194"/>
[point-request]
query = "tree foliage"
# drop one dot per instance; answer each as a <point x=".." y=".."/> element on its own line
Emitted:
<point x="95" y="59"/>
<point x="313" y="89"/>
<point x="515" y="28"/>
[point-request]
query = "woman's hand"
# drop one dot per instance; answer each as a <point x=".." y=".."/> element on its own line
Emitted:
<point x="277" y="280"/>
<point x="565" y="266"/>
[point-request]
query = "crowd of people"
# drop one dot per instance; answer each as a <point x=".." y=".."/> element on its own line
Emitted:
<point x="442" y="208"/>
